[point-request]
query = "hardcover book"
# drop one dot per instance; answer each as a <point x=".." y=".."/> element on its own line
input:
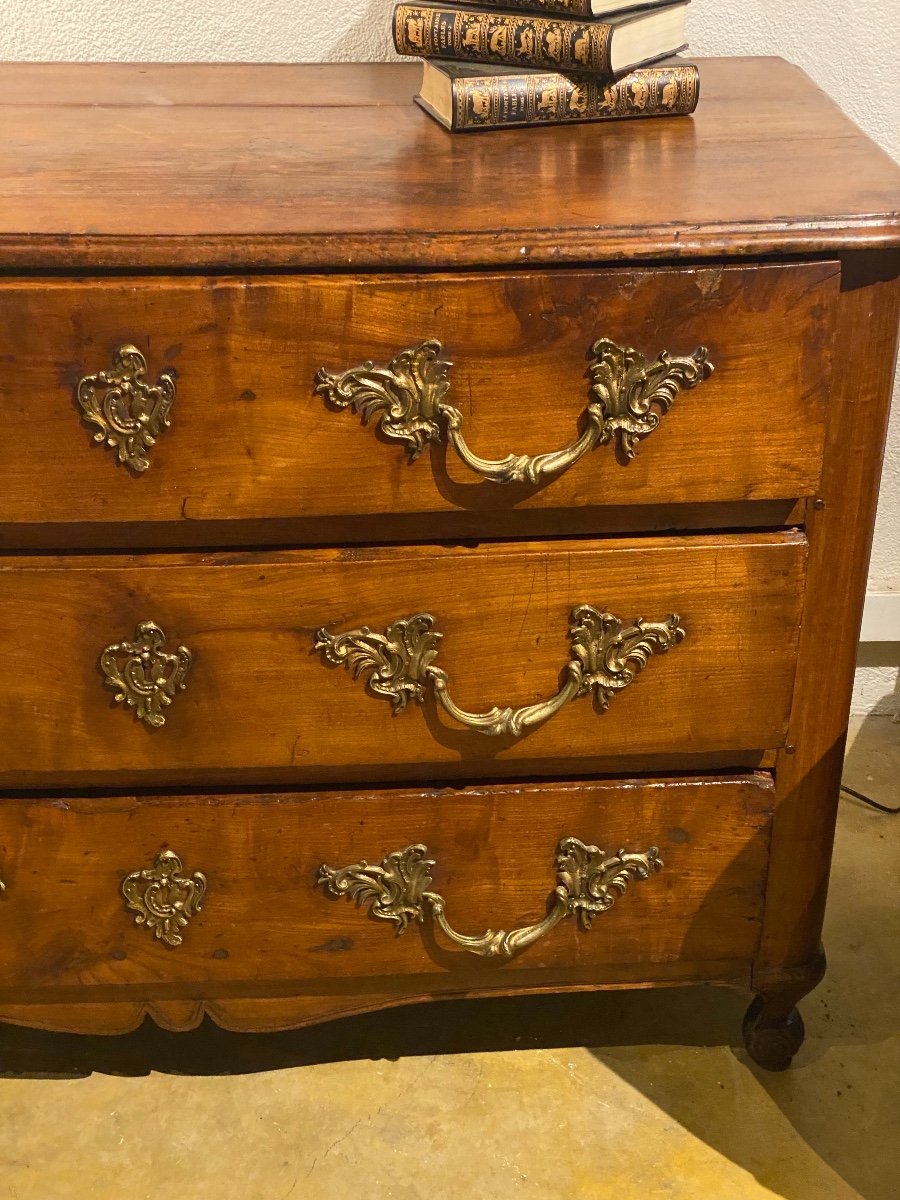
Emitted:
<point x="609" y="48"/>
<point x="463" y="97"/>
<point x="573" y="8"/>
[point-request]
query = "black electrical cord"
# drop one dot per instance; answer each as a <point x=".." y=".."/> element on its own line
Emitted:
<point x="868" y="800"/>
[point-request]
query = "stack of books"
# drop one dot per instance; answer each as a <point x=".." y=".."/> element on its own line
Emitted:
<point x="499" y="63"/>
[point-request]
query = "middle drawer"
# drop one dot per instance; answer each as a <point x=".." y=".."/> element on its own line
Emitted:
<point x="231" y="668"/>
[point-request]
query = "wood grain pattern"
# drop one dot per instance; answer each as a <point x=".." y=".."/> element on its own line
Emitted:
<point x="767" y="165"/>
<point x="265" y="930"/>
<point x="840" y="539"/>
<point x="219" y="85"/>
<point x="302" y="1007"/>
<point x="211" y="195"/>
<point x="251" y="439"/>
<point x="262" y="707"/>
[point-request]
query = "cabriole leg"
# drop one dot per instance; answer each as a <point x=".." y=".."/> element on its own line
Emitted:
<point x="773" y="1028"/>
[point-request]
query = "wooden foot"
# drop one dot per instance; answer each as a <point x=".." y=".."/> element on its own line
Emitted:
<point x="773" y="1029"/>
<point x="771" y="1035"/>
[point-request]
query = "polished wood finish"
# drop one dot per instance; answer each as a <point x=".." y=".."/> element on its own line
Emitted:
<point x="767" y="165"/>
<point x="216" y="85"/>
<point x="840" y="532"/>
<point x="261" y="705"/>
<point x="791" y="962"/>
<point x="252" y="441"/>
<point x="264" y="923"/>
<point x="256" y="223"/>
<point x="292" y="1009"/>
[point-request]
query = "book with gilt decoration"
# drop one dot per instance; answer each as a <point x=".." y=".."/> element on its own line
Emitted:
<point x="611" y="47"/>
<point x="464" y="97"/>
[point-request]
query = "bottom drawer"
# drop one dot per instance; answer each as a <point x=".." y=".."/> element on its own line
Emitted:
<point x="94" y="898"/>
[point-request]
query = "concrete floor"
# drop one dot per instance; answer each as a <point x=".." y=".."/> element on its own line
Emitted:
<point x="664" y="1103"/>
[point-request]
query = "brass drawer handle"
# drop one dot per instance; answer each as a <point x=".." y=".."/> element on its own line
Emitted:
<point x="129" y="413"/>
<point x="606" y="655"/>
<point x="407" y="398"/>
<point x="144" y="675"/>
<point x="163" y="897"/>
<point x="588" y="882"/>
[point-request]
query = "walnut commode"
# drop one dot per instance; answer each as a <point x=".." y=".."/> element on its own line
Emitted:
<point x="479" y="537"/>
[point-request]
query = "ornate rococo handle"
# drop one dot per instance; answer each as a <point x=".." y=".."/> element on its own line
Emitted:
<point x="606" y="655"/>
<point x="129" y="413"/>
<point x="144" y="675"/>
<point x="406" y="398"/>
<point x="588" y="882"/>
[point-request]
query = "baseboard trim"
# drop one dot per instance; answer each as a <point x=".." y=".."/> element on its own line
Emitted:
<point x="881" y="617"/>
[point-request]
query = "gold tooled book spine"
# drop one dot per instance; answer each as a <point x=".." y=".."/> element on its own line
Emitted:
<point x="426" y="31"/>
<point x="563" y="8"/>
<point x="550" y="99"/>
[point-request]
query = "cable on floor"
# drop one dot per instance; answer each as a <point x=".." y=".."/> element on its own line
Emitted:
<point x="868" y="800"/>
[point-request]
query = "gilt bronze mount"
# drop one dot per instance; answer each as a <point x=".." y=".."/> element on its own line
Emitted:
<point x="606" y="655"/>
<point x="163" y="897"/>
<point x="407" y="400"/>
<point x="144" y="675"/>
<point x="588" y="882"/>
<point x="129" y="412"/>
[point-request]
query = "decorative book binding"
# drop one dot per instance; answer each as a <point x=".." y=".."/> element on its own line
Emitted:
<point x="564" y="8"/>
<point x="466" y="34"/>
<point x="535" y="98"/>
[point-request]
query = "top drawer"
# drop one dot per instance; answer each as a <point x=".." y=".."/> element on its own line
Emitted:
<point x="232" y="363"/>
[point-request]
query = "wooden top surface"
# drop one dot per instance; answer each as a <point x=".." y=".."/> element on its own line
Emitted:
<point x="324" y="166"/>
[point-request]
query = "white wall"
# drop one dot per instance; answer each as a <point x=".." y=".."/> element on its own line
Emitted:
<point x="838" y="44"/>
<point x="850" y="49"/>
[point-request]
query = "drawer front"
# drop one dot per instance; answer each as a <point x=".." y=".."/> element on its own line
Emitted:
<point x="240" y="435"/>
<point x="467" y="662"/>
<point x="85" y="906"/>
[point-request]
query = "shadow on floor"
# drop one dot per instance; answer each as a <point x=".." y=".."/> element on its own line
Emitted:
<point x="840" y="1101"/>
<point x="872" y="761"/>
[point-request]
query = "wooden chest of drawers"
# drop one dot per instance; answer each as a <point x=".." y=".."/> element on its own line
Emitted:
<point x="475" y="529"/>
